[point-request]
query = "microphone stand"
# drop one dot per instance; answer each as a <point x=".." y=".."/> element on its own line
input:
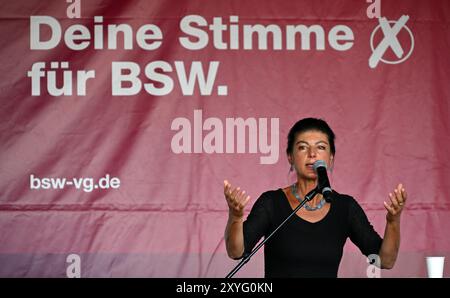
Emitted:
<point x="247" y="257"/>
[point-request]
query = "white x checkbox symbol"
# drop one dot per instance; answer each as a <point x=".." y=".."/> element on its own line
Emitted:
<point x="389" y="40"/>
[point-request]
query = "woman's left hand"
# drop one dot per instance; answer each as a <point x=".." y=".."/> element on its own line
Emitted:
<point x="397" y="199"/>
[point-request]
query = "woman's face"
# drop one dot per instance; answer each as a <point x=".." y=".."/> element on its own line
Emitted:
<point x="310" y="146"/>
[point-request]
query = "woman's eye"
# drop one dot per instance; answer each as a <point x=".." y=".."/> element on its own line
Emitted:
<point x="322" y="147"/>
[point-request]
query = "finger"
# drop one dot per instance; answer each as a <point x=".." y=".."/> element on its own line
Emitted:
<point x="241" y="196"/>
<point x="231" y="196"/>
<point x="234" y="192"/>
<point x="244" y="202"/>
<point x="247" y="199"/>
<point x="393" y="199"/>
<point x="404" y="194"/>
<point x="226" y="187"/>
<point x="399" y="196"/>
<point x="237" y="197"/>
<point x="228" y="197"/>
<point x="399" y="188"/>
<point x="234" y="195"/>
<point x="388" y="208"/>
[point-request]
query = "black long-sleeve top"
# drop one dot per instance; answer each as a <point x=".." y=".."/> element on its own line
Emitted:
<point x="304" y="249"/>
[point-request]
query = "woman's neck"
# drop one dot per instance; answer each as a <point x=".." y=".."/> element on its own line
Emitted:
<point x="305" y="186"/>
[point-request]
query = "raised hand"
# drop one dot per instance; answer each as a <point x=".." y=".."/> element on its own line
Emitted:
<point x="397" y="203"/>
<point x="236" y="198"/>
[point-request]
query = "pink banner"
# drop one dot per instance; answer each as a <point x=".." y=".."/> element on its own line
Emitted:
<point x="121" y="119"/>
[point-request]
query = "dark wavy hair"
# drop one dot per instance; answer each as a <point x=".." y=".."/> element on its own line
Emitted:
<point x="310" y="124"/>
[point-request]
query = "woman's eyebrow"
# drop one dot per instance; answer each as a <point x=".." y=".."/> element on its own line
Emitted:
<point x="304" y="142"/>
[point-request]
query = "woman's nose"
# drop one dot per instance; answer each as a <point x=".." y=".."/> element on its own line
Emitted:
<point x="311" y="152"/>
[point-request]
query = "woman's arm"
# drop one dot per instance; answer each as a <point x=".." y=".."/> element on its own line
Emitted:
<point x="391" y="240"/>
<point x="234" y="232"/>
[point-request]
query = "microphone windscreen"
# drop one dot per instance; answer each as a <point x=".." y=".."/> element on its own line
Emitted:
<point x="319" y="163"/>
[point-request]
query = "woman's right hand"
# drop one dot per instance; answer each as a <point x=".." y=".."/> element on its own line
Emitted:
<point x="236" y="199"/>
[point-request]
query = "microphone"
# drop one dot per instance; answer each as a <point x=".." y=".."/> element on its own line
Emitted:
<point x="324" y="184"/>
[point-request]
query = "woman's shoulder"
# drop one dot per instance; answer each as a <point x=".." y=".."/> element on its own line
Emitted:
<point x="270" y="196"/>
<point x="343" y="199"/>
<point x="268" y="200"/>
<point x="272" y="193"/>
